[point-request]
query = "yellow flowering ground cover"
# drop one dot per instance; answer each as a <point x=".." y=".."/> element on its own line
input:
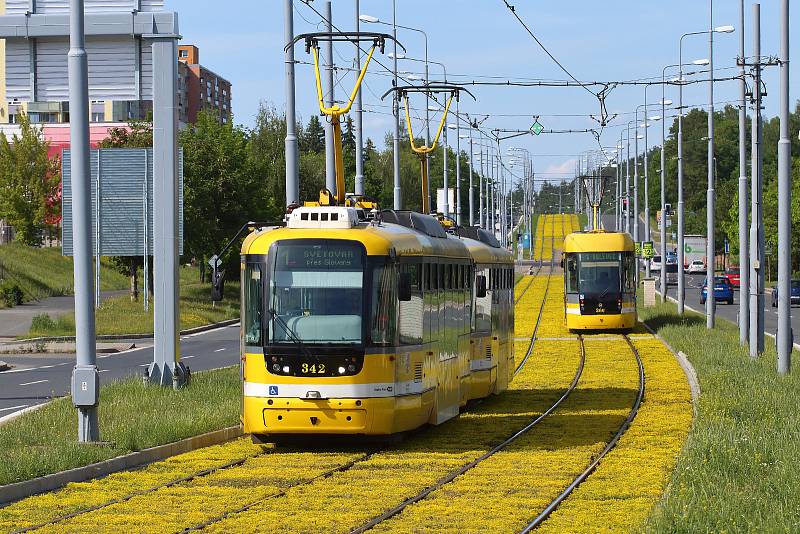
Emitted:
<point x="512" y="486"/>
<point x="527" y="309"/>
<point x="81" y="495"/>
<point x="552" y="324"/>
<point x="621" y="493"/>
<point x="521" y="287"/>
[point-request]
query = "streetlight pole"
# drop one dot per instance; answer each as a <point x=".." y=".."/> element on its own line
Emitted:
<point x="330" y="158"/>
<point x="744" y="254"/>
<point x="681" y="277"/>
<point x="86" y="395"/>
<point x="784" y="204"/>
<point x="292" y="182"/>
<point x="398" y="198"/>
<point x="376" y="20"/>
<point x="359" y="179"/>
<point x="628" y="180"/>
<point x="711" y="303"/>
<point x="471" y="188"/>
<point x="756" y="215"/>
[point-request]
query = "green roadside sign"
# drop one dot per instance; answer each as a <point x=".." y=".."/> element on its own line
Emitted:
<point x="637" y="247"/>
<point x="537" y="127"/>
<point x="648" y="250"/>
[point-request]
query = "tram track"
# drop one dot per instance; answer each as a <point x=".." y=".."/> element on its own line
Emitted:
<point x="443" y="481"/>
<point x="554" y="504"/>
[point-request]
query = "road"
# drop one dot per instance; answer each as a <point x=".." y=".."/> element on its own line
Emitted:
<point x="731" y="311"/>
<point x="35" y="379"/>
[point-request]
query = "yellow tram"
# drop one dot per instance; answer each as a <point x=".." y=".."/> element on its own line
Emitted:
<point x="599" y="281"/>
<point x="353" y="325"/>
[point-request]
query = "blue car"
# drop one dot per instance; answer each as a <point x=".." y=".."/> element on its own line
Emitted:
<point x="794" y="295"/>
<point x="723" y="290"/>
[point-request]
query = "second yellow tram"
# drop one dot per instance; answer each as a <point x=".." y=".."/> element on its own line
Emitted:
<point x="599" y="281"/>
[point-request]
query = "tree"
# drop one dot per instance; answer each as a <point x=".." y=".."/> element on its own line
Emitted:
<point x="312" y="138"/>
<point x="29" y="181"/>
<point x="221" y="191"/>
<point x="138" y="134"/>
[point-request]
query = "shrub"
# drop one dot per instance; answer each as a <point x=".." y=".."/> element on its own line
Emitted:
<point x="42" y="323"/>
<point x="10" y="293"/>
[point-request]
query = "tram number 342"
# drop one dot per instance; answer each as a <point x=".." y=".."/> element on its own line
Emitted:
<point x="312" y="368"/>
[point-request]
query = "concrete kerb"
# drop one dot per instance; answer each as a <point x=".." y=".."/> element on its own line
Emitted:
<point x="20" y="490"/>
<point x="686" y="365"/>
<point x="121" y="337"/>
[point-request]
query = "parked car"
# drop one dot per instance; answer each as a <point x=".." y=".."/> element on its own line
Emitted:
<point x="795" y="294"/>
<point x="723" y="290"/>
<point x="732" y="274"/>
<point x="697" y="266"/>
<point x="655" y="264"/>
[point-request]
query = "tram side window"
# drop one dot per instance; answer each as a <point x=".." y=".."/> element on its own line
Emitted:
<point x="629" y="278"/>
<point x="253" y="304"/>
<point x="572" y="273"/>
<point x="411" y="312"/>
<point x="483" y="307"/>
<point x="384" y="304"/>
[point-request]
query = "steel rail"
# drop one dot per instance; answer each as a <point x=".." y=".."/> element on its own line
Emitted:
<point x="463" y="469"/>
<point x="611" y="444"/>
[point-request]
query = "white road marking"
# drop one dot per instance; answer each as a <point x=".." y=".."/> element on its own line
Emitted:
<point x="36" y="382"/>
<point x="17" y="371"/>
<point x="13" y="408"/>
<point x="186" y="357"/>
<point x="219" y="350"/>
<point x="103" y="371"/>
<point x="144" y="365"/>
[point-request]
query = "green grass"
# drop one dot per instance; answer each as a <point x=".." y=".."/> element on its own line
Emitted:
<point x="738" y="470"/>
<point x="132" y="417"/>
<point x="44" y="272"/>
<point x="121" y="316"/>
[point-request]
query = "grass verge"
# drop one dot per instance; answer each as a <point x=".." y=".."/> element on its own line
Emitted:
<point x="132" y="417"/>
<point x="738" y="470"/>
<point x="44" y="272"/>
<point x="121" y="316"/>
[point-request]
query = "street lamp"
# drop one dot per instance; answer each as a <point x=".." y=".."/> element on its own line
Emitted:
<point x="710" y="303"/>
<point x="457" y="128"/>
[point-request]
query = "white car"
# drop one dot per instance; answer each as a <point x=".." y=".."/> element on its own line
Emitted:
<point x="655" y="264"/>
<point x="697" y="266"/>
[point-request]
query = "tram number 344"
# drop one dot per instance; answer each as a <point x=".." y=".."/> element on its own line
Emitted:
<point x="312" y="368"/>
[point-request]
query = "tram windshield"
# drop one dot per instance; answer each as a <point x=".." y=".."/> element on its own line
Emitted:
<point x="600" y="273"/>
<point x="316" y="293"/>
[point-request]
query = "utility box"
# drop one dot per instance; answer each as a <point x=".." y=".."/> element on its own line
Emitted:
<point x="85" y="386"/>
<point x="649" y="292"/>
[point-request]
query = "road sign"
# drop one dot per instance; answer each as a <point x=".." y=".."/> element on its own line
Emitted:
<point x="526" y="240"/>
<point x="648" y="250"/>
<point x="727" y="246"/>
<point x="637" y="249"/>
<point x="537" y="127"/>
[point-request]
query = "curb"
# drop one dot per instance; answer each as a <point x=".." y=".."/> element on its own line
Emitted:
<point x="20" y="490"/>
<point x="118" y="337"/>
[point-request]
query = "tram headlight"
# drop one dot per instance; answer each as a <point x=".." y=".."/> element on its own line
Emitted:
<point x="342" y="370"/>
<point x="286" y="369"/>
<point x="351" y="368"/>
<point x="276" y="367"/>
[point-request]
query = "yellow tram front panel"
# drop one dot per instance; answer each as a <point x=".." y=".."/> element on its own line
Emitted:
<point x="599" y="281"/>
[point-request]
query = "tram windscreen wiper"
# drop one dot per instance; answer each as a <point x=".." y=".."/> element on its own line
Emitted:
<point x="290" y="334"/>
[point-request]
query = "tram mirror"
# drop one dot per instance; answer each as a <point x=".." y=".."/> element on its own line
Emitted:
<point x="562" y="263"/>
<point x="480" y="286"/>
<point x="217" y="285"/>
<point x="404" y="290"/>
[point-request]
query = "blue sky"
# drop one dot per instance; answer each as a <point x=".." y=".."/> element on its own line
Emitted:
<point x="602" y="41"/>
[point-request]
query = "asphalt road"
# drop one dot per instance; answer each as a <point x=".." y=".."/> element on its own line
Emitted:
<point x="731" y="311"/>
<point x="35" y="379"/>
